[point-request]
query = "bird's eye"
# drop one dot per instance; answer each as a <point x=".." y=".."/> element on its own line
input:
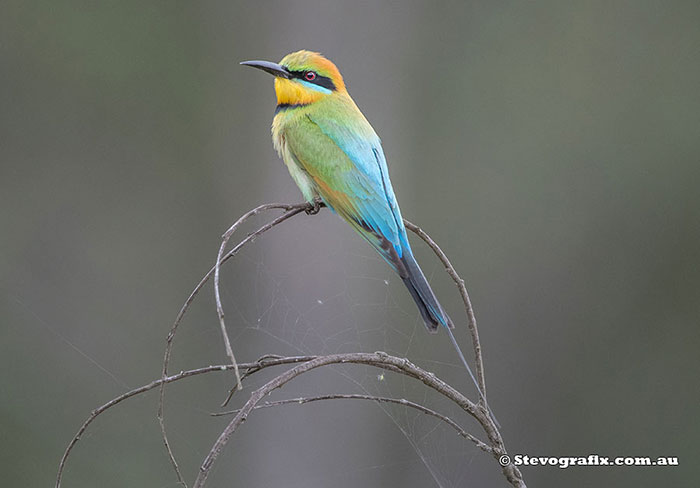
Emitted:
<point x="309" y="76"/>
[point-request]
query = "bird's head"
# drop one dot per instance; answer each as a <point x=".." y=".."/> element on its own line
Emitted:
<point x="302" y="77"/>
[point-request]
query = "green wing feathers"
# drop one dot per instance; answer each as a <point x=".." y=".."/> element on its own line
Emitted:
<point x="345" y="189"/>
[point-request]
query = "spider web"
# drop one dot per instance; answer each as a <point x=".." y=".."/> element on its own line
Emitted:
<point x="315" y="288"/>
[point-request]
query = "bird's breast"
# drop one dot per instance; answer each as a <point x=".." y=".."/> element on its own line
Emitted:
<point x="278" y="134"/>
<point x="299" y="175"/>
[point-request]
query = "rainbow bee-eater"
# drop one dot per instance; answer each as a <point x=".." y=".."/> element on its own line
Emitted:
<point x="334" y="156"/>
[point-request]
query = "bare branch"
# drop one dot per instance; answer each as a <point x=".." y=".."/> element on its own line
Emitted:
<point x="377" y="359"/>
<point x="260" y="364"/>
<point x="290" y="211"/>
<point x="220" y="309"/>
<point x="478" y="411"/>
<point x="465" y="298"/>
<point x="400" y="401"/>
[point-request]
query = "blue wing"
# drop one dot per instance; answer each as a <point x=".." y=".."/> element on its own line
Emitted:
<point x="379" y="209"/>
<point x="342" y="154"/>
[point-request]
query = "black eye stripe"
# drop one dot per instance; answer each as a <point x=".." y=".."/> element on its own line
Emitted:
<point x="320" y="80"/>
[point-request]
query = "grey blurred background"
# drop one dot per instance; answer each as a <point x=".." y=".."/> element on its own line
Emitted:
<point x="551" y="148"/>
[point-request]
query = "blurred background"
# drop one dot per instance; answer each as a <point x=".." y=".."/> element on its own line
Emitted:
<point x="551" y="148"/>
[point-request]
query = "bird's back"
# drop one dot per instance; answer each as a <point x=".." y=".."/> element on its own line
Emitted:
<point x="341" y="156"/>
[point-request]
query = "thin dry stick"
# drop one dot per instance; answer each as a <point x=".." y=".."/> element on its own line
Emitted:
<point x="291" y="211"/>
<point x="471" y="317"/>
<point x="249" y="373"/>
<point x="399" y="401"/>
<point x="250" y="367"/>
<point x="395" y="364"/>
<point x="378" y="359"/>
<point x="219" y="308"/>
<point x="309" y="208"/>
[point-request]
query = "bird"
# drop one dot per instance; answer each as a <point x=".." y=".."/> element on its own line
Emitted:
<point x="336" y="158"/>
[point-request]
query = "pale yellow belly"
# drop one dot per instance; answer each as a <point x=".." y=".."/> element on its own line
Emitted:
<point x="303" y="181"/>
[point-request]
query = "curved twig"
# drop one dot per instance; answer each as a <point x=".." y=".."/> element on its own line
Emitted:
<point x="377" y="359"/>
<point x="290" y="211"/>
<point x="399" y="401"/>
<point x="260" y="364"/>
<point x="381" y="360"/>
<point x="471" y="317"/>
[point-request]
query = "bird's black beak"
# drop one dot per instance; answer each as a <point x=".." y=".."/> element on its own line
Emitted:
<point x="272" y="68"/>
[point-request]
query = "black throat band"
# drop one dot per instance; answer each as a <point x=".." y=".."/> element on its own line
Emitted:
<point x="288" y="106"/>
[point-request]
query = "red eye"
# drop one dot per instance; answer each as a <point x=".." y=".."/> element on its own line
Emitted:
<point x="309" y="76"/>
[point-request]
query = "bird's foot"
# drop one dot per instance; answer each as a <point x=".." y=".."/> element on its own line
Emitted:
<point x="315" y="207"/>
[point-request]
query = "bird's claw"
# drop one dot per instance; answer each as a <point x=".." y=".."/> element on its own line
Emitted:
<point x="315" y="207"/>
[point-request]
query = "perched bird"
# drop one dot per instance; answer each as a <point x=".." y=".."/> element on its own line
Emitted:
<point x="334" y="156"/>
